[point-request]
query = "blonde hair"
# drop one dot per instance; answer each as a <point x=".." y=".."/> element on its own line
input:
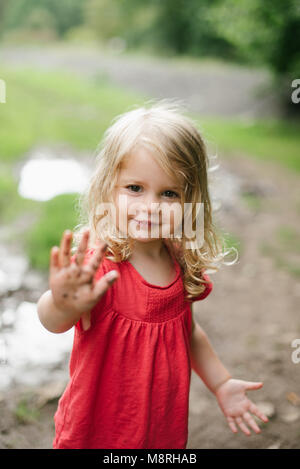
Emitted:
<point x="180" y="150"/>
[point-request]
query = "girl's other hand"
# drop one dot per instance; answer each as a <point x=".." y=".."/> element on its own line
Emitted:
<point x="72" y="283"/>
<point x="236" y="406"/>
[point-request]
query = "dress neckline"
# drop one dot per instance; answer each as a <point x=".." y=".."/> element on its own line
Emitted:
<point x="141" y="278"/>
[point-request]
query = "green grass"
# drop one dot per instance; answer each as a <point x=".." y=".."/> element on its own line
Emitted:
<point x="289" y="238"/>
<point x="57" y="215"/>
<point x="284" y="249"/>
<point x="11" y="203"/>
<point x="8" y="191"/>
<point x="271" y="140"/>
<point x="56" y="107"/>
<point x="254" y="202"/>
<point x="25" y="412"/>
<point x="280" y="259"/>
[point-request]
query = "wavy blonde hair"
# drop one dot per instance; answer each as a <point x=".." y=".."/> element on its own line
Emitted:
<point x="180" y="150"/>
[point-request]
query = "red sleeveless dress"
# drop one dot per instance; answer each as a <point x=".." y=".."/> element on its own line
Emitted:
<point x="130" y="371"/>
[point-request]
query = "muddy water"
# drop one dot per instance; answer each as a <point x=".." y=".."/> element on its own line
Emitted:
<point x="29" y="354"/>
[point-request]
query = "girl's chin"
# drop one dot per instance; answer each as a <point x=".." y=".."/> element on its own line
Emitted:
<point x="143" y="239"/>
<point x="143" y="236"/>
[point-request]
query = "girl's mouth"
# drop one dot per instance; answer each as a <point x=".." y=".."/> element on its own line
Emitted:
<point x="145" y="223"/>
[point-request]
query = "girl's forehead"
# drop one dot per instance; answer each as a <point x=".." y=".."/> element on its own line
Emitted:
<point x="144" y="166"/>
<point x="138" y="156"/>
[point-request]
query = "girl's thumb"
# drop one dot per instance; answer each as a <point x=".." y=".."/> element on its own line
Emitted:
<point x="250" y="385"/>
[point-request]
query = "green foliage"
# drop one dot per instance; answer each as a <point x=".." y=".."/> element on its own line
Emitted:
<point x="59" y="14"/>
<point x="57" y="215"/>
<point x="188" y="27"/>
<point x="174" y="26"/>
<point x="105" y="16"/>
<point x="265" y="32"/>
<point x="268" y="32"/>
<point x="3" y="7"/>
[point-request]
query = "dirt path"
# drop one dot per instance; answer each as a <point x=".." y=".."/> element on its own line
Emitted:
<point x="207" y="87"/>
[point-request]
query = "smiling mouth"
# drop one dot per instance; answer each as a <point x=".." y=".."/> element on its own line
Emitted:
<point x="145" y="223"/>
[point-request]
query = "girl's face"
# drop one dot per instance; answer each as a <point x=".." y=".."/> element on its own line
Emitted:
<point x="141" y="186"/>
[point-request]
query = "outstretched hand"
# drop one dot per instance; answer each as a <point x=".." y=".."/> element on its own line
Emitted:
<point x="72" y="283"/>
<point x="236" y="406"/>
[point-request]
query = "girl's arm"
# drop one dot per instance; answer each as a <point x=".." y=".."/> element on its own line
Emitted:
<point x="204" y="360"/>
<point x="54" y="319"/>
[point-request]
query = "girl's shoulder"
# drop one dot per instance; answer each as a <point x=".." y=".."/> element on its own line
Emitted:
<point x="207" y="290"/>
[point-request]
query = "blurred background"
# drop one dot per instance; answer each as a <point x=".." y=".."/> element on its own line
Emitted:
<point x="67" y="68"/>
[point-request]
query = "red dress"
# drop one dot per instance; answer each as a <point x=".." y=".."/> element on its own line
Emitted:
<point x="130" y="371"/>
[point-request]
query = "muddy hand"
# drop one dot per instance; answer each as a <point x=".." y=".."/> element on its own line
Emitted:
<point x="72" y="283"/>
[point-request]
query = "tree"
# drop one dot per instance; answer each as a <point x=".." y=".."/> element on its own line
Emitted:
<point x="265" y="32"/>
<point x="63" y="14"/>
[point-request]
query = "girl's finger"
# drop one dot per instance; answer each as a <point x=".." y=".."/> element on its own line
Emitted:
<point x="242" y="426"/>
<point x="247" y="417"/>
<point x="54" y="260"/>
<point x="254" y="410"/>
<point x="80" y="254"/>
<point x="96" y="258"/>
<point x="65" y="246"/>
<point x="251" y="385"/>
<point x="102" y="285"/>
<point x="232" y="424"/>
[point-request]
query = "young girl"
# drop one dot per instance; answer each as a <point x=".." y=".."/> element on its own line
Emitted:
<point x="129" y="294"/>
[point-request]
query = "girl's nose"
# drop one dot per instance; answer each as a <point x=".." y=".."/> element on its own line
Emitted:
<point x="151" y="208"/>
<point x="151" y="202"/>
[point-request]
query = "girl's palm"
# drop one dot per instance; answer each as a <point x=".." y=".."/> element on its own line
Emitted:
<point x="72" y="283"/>
<point x="236" y="406"/>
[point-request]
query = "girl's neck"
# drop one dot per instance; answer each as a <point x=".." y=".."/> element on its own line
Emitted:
<point x="152" y="250"/>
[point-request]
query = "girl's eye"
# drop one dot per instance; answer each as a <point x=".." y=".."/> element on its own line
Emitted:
<point x="173" y="194"/>
<point x="132" y="185"/>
